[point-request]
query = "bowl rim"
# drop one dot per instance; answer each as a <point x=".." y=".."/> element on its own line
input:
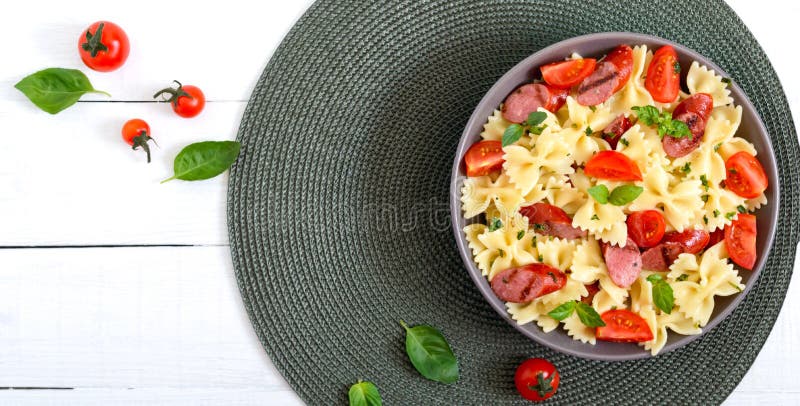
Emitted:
<point x="458" y="220"/>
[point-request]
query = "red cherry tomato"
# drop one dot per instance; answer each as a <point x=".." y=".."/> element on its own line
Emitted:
<point x="536" y="379"/>
<point x="663" y="79"/>
<point x="566" y="74"/>
<point x="623" y="326"/>
<point x="557" y="98"/>
<point x="612" y="165"/>
<point x="622" y="58"/>
<point x="187" y="101"/>
<point x="646" y="228"/>
<point x="136" y="133"/>
<point x="740" y="240"/>
<point x="694" y="240"/>
<point x="745" y="175"/>
<point x="104" y="46"/>
<point x="484" y="157"/>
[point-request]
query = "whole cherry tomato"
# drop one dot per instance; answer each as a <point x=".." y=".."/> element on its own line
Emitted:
<point x="187" y="101"/>
<point x="536" y="379"/>
<point x="104" y="46"/>
<point x="136" y="132"/>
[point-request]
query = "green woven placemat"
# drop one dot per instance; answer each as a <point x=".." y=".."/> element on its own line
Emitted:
<point x="338" y="206"/>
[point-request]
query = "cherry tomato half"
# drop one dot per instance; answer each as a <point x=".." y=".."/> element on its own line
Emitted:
<point x="663" y="79"/>
<point x="623" y="326"/>
<point x="136" y="132"/>
<point x="740" y="240"/>
<point x="484" y="157"/>
<point x="694" y="240"/>
<point x="612" y="165"/>
<point x="537" y="379"/>
<point x="104" y="46"/>
<point x="646" y="228"/>
<point x="556" y="99"/>
<point x="187" y="100"/>
<point x="566" y="74"/>
<point x="622" y="58"/>
<point x="745" y="175"/>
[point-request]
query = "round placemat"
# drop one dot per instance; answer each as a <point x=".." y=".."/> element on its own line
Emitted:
<point x="338" y="205"/>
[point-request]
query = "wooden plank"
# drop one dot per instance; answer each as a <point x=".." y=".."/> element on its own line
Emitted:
<point x="220" y="47"/>
<point x="267" y="396"/>
<point x="71" y="180"/>
<point x="164" y="317"/>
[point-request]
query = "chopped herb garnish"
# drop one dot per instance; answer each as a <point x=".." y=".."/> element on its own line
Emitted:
<point x="650" y="115"/>
<point x="716" y="147"/>
<point x="730" y="215"/>
<point x="727" y="81"/>
<point x="624" y="142"/>
<point x="733" y="171"/>
<point x="716" y="213"/>
<point x="520" y="234"/>
<point x="501" y="253"/>
<point x="539" y="227"/>
<point x="735" y="286"/>
<point x="677" y="67"/>
<point x="594" y="217"/>
<point x="705" y="219"/>
<point x="495" y="224"/>
<point x="687" y="168"/>
<point x="704" y="181"/>
<point x="741" y="209"/>
<point x="589" y="131"/>
<point x="540" y="258"/>
<point x="593" y="108"/>
<point x="704" y="198"/>
<point x="682" y="278"/>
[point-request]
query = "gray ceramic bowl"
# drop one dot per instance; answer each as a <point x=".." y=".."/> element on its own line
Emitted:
<point x="751" y="129"/>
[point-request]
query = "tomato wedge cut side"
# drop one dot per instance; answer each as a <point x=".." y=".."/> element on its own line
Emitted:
<point x="663" y="79"/>
<point x="745" y="175"/>
<point x="566" y="74"/>
<point x="646" y="228"/>
<point x="624" y="326"/>
<point x="612" y="165"/>
<point x="740" y="240"/>
<point x="484" y="157"/>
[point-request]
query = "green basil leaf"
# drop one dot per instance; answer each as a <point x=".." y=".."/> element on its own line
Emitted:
<point x="562" y="311"/>
<point x="430" y="354"/>
<point x="364" y="394"/>
<point x="512" y="134"/>
<point x="588" y="315"/>
<point x="663" y="296"/>
<point x="624" y="194"/>
<point x="204" y="160"/>
<point x="599" y="193"/>
<point x="647" y="114"/>
<point x="536" y="118"/>
<point x="55" y="89"/>
<point x="495" y="224"/>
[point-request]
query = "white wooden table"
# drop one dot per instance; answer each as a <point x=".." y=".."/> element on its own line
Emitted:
<point x="116" y="289"/>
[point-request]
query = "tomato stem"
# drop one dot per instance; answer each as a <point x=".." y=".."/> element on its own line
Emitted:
<point x="174" y="94"/>
<point x="141" y="141"/>
<point x="93" y="44"/>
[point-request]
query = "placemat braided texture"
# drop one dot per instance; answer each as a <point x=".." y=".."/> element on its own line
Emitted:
<point x="338" y="206"/>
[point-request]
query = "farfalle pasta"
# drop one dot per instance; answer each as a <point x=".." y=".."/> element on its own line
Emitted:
<point x="594" y="196"/>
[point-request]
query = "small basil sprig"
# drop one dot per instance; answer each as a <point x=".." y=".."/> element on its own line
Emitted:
<point x="663" y="121"/>
<point x="515" y="131"/>
<point x="55" y="89"/>
<point x="204" y="160"/>
<point x="587" y="315"/>
<point x="430" y="354"/>
<point x="364" y="394"/>
<point x="621" y="195"/>
<point x="662" y="293"/>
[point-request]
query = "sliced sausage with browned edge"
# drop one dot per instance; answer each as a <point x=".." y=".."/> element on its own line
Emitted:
<point x="525" y="283"/>
<point x="694" y="112"/>
<point x="615" y="129"/>
<point x="660" y="257"/>
<point x="624" y="264"/>
<point x="529" y="98"/>
<point x="599" y="86"/>
<point x="547" y="219"/>
<point x="592" y="290"/>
